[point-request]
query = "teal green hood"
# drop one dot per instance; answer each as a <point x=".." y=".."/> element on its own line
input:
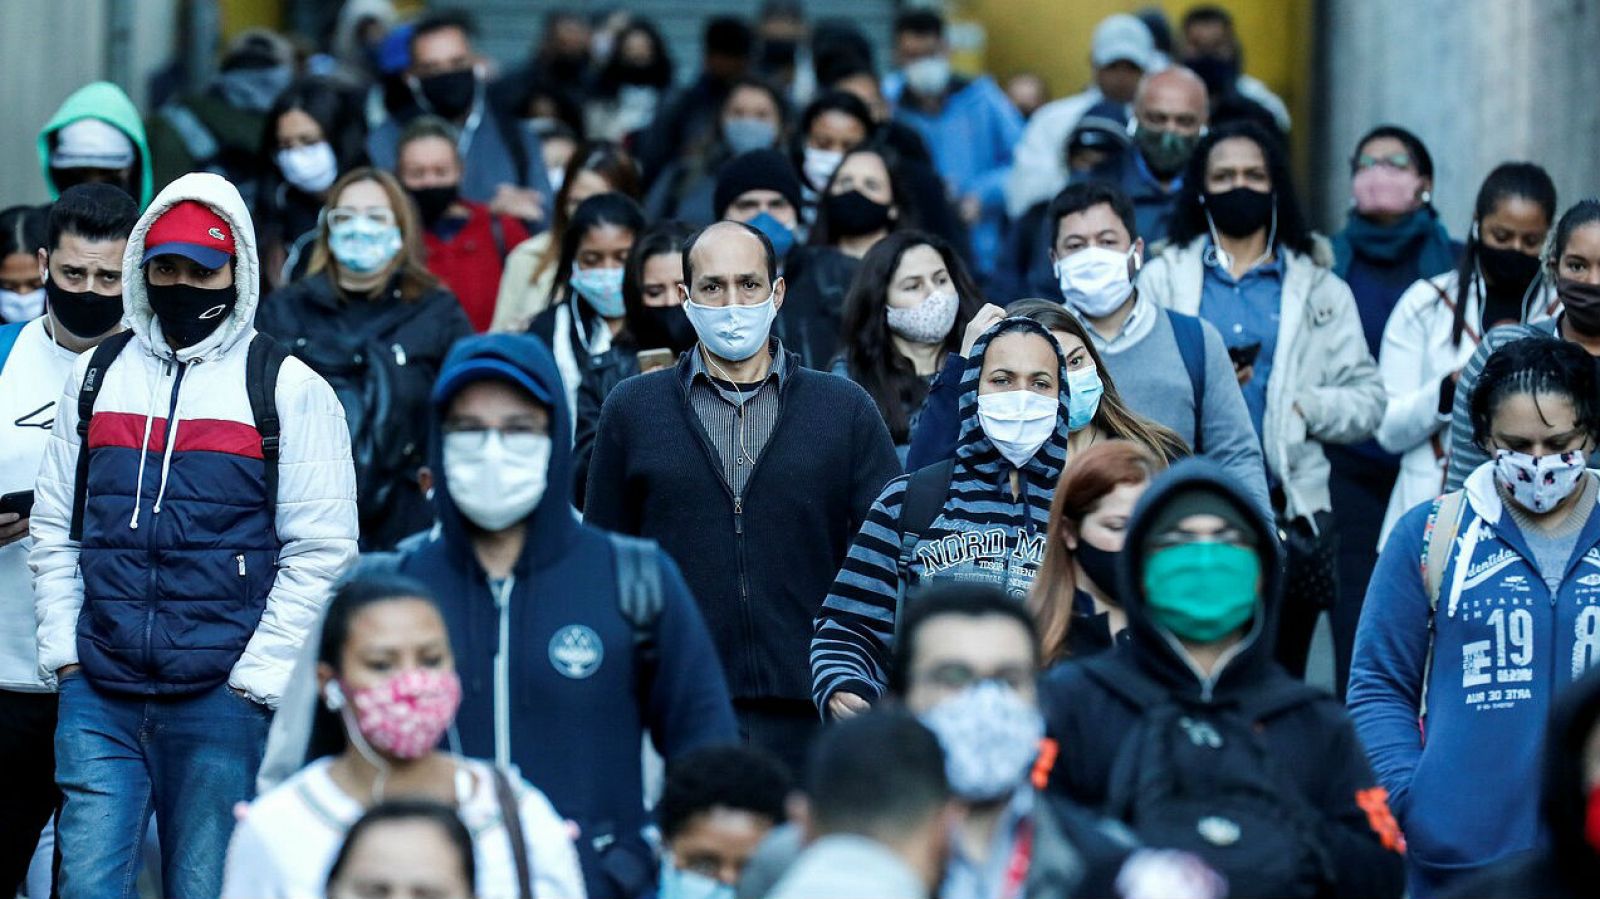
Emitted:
<point x="104" y="101"/>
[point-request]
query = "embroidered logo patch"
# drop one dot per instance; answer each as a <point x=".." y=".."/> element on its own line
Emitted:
<point x="576" y="651"/>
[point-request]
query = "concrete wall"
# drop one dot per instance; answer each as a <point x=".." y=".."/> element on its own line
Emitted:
<point x="1480" y="81"/>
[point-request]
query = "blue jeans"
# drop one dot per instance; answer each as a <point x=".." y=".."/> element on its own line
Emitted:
<point x="188" y="759"/>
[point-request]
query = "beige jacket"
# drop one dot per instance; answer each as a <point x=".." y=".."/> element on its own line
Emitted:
<point x="521" y="296"/>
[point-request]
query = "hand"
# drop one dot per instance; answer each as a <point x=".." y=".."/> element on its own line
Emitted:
<point x="66" y="671"/>
<point x="518" y="202"/>
<point x="844" y="705"/>
<point x="1244" y="373"/>
<point x="13" y="527"/>
<point x="982" y="321"/>
<point x="971" y="209"/>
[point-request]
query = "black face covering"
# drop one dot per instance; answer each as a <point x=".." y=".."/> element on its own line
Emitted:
<point x="85" y="314"/>
<point x="189" y="314"/>
<point x="450" y="94"/>
<point x="65" y="178"/>
<point x="1099" y="565"/>
<point x="1509" y="272"/>
<point x="1240" y="212"/>
<point x="853" y="213"/>
<point x="778" y="53"/>
<point x="432" y="202"/>
<point x="1581" y="302"/>
<point x="657" y="327"/>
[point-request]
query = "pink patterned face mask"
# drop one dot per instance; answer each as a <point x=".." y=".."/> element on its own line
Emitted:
<point x="1382" y="190"/>
<point x="405" y="716"/>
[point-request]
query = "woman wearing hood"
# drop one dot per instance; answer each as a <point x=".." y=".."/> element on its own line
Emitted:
<point x="986" y="513"/>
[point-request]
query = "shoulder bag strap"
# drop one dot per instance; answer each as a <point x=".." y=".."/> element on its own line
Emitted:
<point x="512" y="816"/>
<point x="926" y="491"/>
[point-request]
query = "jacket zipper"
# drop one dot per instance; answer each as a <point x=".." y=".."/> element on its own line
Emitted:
<point x="150" y="538"/>
<point x="502" y="675"/>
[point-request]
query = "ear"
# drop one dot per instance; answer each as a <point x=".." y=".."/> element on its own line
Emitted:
<point x="325" y="676"/>
<point x="1138" y="255"/>
<point x="779" y="288"/>
<point x="44" y="263"/>
<point x="425" y="479"/>
<point x="1068" y="536"/>
<point x="798" y="808"/>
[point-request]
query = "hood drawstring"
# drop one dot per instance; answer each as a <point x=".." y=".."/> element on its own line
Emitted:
<point x="144" y="451"/>
<point x="172" y="441"/>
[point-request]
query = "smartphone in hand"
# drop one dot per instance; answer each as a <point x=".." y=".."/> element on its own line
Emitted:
<point x="19" y="503"/>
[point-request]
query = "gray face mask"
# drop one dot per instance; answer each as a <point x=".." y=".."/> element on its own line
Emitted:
<point x="254" y="89"/>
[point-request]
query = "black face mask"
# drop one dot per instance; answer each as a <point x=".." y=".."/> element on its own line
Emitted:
<point x="1509" y="272"/>
<point x="853" y="213"/>
<point x="65" y="178"/>
<point x="1240" y="212"/>
<point x="450" y="94"/>
<point x="1099" y="565"/>
<point x="657" y="327"/>
<point x="1581" y="302"/>
<point x="189" y="314"/>
<point x="85" y="314"/>
<point x="432" y="202"/>
<point x="778" y="54"/>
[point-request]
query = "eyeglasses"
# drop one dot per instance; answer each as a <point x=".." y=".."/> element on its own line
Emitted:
<point x="1230" y="536"/>
<point x="956" y="676"/>
<point x="1390" y="161"/>
<point x="516" y="440"/>
<point x="341" y="216"/>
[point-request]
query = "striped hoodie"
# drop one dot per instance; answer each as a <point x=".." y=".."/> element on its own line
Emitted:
<point x="982" y="534"/>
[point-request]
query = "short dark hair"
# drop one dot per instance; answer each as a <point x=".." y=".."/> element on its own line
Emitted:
<point x="23" y="229"/>
<point x="1207" y="14"/>
<point x="878" y="775"/>
<point x="1535" y="365"/>
<point x="441" y="20"/>
<point x="1581" y="214"/>
<point x="959" y="600"/>
<point x="1085" y="195"/>
<point x="742" y="778"/>
<point x="421" y="128"/>
<point x="729" y="36"/>
<point x="93" y="212"/>
<point x="393" y="811"/>
<point x="1412" y="143"/>
<point x="919" y="21"/>
<point x="766" y="246"/>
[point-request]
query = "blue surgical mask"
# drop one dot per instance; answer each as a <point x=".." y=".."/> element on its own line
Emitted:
<point x="732" y="332"/>
<point x="679" y="884"/>
<point x="744" y="135"/>
<point x="1084" y="400"/>
<point x="363" y="245"/>
<point x="601" y="288"/>
<point x="781" y="235"/>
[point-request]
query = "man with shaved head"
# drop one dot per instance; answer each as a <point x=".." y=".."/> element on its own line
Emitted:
<point x="1170" y="113"/>
<point x="752" y="471"/>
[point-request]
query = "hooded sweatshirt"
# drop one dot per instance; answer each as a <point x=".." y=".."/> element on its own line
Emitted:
<point x="1091" y="711"/>
<point x="1503" y="648"/>
<point x="185" y="577"/>
<point x="104" y="101"/>
<point x="546" y="658"/>
<point x="982" y="535"/>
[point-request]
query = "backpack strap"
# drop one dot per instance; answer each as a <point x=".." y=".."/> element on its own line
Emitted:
<point x="262" y="364"/>
<point x="1439" y="541"/>
<point x="641" y="598"/>
<point x="1191" y="339"/>
<point x="511" y="815"/>
<point x="94" y="377"/>
<point x="8" y="339"/>
<point x="926" y="491"/>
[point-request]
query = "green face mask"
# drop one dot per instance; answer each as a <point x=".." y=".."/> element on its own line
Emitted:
<point x="1201" y="591"/>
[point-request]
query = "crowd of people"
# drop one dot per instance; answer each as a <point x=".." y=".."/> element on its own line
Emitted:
<point x="795" y="481"/>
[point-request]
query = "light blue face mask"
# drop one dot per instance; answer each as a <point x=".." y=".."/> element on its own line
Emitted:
<point x="1084" y="400"/>
<point x="680" y="884"/>
<point x="363" y="245"/>
<point x="601" y="288"/>
<point x="744" y="135"/>
<point x="781" y="235"/>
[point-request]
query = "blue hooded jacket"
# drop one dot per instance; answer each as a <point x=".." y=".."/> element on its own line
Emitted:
<point x="572" y="718"/>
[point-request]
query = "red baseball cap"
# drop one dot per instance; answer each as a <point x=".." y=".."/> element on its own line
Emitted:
<point x="193" y="230"/>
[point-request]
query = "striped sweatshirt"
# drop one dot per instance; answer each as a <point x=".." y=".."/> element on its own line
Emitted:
<point x="982" y="534"/>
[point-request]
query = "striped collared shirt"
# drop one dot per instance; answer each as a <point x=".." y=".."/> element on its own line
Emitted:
<point x="739" y="419"/>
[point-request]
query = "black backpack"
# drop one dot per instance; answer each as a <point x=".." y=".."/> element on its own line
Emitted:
<point x="262" y="363"/>
<point x="1199" y="778"/>
<point x="926" y="491"/>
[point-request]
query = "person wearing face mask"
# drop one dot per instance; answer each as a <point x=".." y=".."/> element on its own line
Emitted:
<point x="752" y="121"/>
<point x="502" y="163"/>
<point x="833" y="125"/>
<point x="197" y="490"/>
<point x="466" y="242"/>
<point x="770" y="465"/>
<point x="1243" y="259"/>
<point x="96" y="135"/>
<point x="1185" y="733"/>
<point x="562" y="672"/>
<point x="377" y="325"/>
<point x="1473" y="646"/>
<point x="1569" y="806"/>
<point x="315" y="131"/>
<point x="966" y="666"/>
<point x="761" y="190"/>
<point x="1075" y="596"/>
<point x="389" y="691"/>
<point x="218" y="129"/>
<point x="22" y="234"/>
<point x="688" y="123"/>
<point x="630" y="87"/>
<point x="717" y="806"/>
<point x="77" y="251"/>
<point x="981" y="516"/>
<point x="1211" y="50"/>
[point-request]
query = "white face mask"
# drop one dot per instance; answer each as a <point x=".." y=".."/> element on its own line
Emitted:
<point x="21" y="307"/>
<point x="1095" y="280"/>
<point x="819" y="166"/>
<point x="929" y="76"/>
<point x="990" y="736"/>
<point x="927" y="322"/>
<point x="496" y="479"/>
<point x="733" y="332"/>
<point x="311" y="168"/>
<point x="1018" y="422"/>
<point x="1539" y="483"/>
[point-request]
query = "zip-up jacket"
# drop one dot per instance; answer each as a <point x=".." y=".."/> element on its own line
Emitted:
<point x="759" y="564"/>
<point x="982" y="534"/>
<point x="186" y="577"/>
<point x="1092" y="717"/>
<point x="1463" y="783"/>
